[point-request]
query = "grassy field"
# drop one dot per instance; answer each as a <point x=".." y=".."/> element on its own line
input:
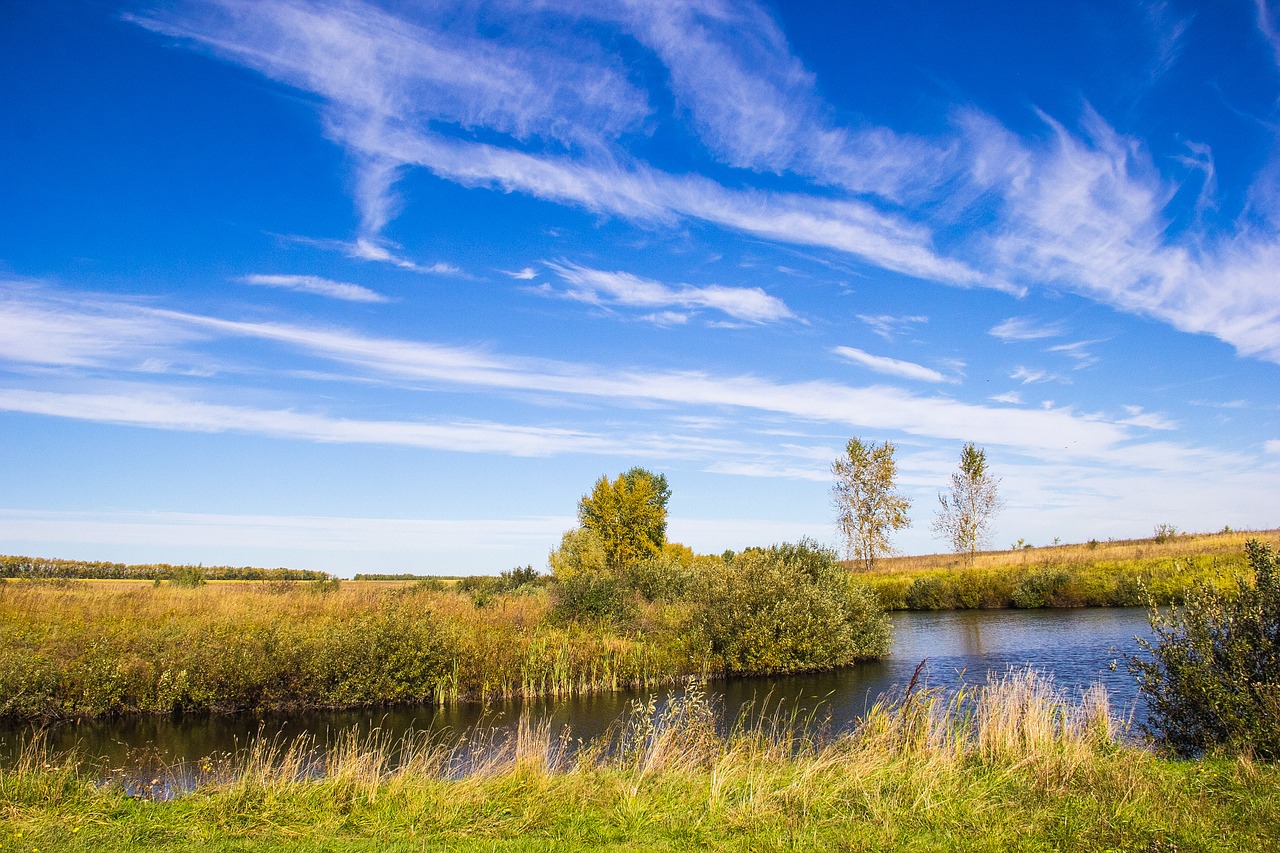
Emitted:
<point x="89" y="648"/>
<point x="1013" y="766"/>
<point x="1096" y="574"/>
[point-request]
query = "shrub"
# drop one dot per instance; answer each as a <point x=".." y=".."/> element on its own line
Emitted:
<point x="664" y="577"/>
<point x="789" y="608"/>
<point x="1042" y="588"/>
<point x="1213" y="677"/>
<point x="187" y="576"/>
<point x="586" y="586"/>
<point x="521" y="578"/>
<point x="929" y="593"/>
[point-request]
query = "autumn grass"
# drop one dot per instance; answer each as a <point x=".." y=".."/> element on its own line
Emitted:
<point x="83" y="649"/>
<point x="1097" y="574"/>
<point x="1015" y="764"/>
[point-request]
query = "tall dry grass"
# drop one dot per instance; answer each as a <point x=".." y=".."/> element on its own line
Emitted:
<point x="78" y="648"/>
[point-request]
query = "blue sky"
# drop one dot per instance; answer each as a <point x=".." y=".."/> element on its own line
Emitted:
<point x="354" y="287"/>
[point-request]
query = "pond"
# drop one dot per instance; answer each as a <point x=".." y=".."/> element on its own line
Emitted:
<point x="1077" y="647"/>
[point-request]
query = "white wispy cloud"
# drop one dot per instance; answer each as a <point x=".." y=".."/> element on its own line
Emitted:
<point x="1030" y="376"/>
<point x="1267" y="28"/>
<point x="890" y="366"/>
<point x="318" y="286"/>
<point x="579" y="99"/>
<point x="1272" y="446"/>
<point x="1025" y="329"/>
<point x="1148" y="420"/>
<point x="1010" y="397"/>
<point x="1088" y="213"/>
<point x="1078" y="352"/>
<point x="889" y="326"/>
<point x="145" y="407"/>
<point x="1033" y="431"/>
<point x="526" y="274"/>
<point x="755" y="106"/>
<point x="368" y="249"/>
<point x="376" y="250"/>
<point x="666" y="318"/>
<point x="37" y="328"/>
<point x="600" y="287"/>
<point x="557" y="108"/>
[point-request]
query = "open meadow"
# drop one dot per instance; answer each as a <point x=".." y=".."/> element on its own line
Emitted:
<point x="1121" y="573"/>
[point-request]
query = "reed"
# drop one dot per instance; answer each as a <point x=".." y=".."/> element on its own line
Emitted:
<point x="1013" y="764"/>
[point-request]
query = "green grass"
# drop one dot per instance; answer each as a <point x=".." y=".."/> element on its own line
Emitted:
<point x="1013" y="766"/>
<point x="1098" y="574"/>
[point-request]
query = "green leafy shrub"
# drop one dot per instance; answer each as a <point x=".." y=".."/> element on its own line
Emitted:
<point x="586" y="583"/>
<point x="664" y="577"/>
<point x="929" y="593"/>
<point x="1042" y="588"/>
<point x="789" y="608"/>
<point x="187" y="576"/>
<point x="1212" y="680"/>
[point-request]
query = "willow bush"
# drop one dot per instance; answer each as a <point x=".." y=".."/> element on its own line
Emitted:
<point x="788" y="608"/>
<point x="1212" y="678"/>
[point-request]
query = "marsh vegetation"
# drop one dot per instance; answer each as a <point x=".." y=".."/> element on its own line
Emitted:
<point x="1030" y="766"/>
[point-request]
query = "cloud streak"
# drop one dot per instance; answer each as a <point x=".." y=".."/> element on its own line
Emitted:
<point x="317" y="286"/>
<point x="598" y="287"/>
<point x="1043" y="432"/>
<point x="890" y="366"/>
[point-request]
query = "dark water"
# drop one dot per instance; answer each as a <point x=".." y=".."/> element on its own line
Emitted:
<point x="1078" y="647"/>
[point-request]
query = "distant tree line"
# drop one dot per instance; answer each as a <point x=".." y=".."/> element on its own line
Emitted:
<point x="40" y="567"/>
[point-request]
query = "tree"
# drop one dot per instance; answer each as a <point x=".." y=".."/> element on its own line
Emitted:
<point x="965" y="514"/>
<point x="661" y="491"/>
<point x="628" y="515"/>
<point x="868" y="506"/>
<point x="1212" y="680"/>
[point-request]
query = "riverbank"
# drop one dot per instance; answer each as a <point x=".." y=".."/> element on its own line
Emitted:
<point x="1013" y="766"/>
<point x="1126" y="573"/>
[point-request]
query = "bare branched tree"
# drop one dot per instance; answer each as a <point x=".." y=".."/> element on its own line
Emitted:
<point x="965" y="513"/>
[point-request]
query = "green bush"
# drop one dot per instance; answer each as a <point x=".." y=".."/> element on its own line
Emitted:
<point x="187" y="576"/>
<point x="1041" y="588"/>
<point x="590" y="596"/>
<point x="664" y="577"/>
<point x="789" y="608"/>
<point x="1212" y="680"/>
<point x="929" y="593"/>
<point x="586" y="585"/>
